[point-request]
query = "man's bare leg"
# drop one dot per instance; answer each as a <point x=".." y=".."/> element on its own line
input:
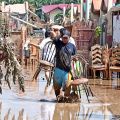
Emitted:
<point x="36" y="73"/>
<point x="47" y="75"/>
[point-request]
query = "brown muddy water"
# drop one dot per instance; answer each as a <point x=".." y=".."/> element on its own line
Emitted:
<point x="35" y="105"/>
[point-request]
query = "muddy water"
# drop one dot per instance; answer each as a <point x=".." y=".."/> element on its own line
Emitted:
<point x="34" y="104"/>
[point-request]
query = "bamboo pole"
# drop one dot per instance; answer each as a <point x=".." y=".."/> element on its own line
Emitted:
<point x="88" y="9"/>
<point x="110" y="4"/>
<point x="24" y="21"/>
<point x="81" y="10"/>
<point x="71" y="12"/>
<point x="32" y="12"/>
<point x="64" y="9"/>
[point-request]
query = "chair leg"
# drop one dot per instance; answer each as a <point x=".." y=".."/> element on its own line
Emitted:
<point x="90" y="91"/>
<point x="94" y="74"/>
<point x="87" y="95"/>
<point x="107" y="73"/>
<point x="78" y="89"/>
<point x="86" y="89"/>
<point x="110" y="75"/>
<point x="36" y="73"/>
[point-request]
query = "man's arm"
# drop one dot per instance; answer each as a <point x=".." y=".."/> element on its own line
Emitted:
<point x="74" y="50"/>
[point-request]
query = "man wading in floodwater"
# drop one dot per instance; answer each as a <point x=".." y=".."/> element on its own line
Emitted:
<point x="64" y="51"/>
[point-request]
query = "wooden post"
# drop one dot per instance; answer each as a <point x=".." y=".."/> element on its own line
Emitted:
<point x="64" y="9"/>
<point x="26" y="8"/>
<point x="23" y="38"/>
<point x="71" y="12"/>
<point x="110" y="4"/>
<point x="88" y="9"/>
<point x="81" y="10"/>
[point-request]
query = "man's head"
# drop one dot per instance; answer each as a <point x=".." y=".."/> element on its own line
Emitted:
<point x="47" y="33"/>
<point x="65" y="36"/>
<point x="56" y="29"/>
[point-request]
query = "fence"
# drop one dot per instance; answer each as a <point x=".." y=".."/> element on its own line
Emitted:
<point x="83" y="34"/>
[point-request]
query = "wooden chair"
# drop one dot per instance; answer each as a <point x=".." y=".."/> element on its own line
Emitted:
<point x="114" y="65"/>
<point x="100" y="59"/>
<point x="34" y="55"/>
<point x="47" y="60"/>
<point x="34" y="51"/>
<point x="79" y="74"/>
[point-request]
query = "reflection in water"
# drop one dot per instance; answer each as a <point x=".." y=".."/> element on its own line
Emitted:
<point x="66" y="111"/>
<point x="54" y="111"/>
<point x="95" y="111"/>
<point x="27" y="106"/>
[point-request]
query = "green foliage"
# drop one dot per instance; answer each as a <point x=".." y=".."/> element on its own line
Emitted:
<point x="39" y="3"/>
<point x="59" y="17"/>
<point x="98" y="31"/>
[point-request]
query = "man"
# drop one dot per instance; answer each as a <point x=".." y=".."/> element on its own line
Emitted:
<point x="64" y="51"/>
<point x="43" y="45"/>
<point x="26" y="49"/>
<point x="59" y="30"/>
<point x="71" y="40"/>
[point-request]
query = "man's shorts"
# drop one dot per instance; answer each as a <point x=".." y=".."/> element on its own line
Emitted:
<point x="61" y="78"/>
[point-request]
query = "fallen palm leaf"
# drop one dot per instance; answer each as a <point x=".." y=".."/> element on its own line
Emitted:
<point x="12" y="66"/>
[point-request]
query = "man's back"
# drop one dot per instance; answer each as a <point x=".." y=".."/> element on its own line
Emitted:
<point x="63" y="50"/>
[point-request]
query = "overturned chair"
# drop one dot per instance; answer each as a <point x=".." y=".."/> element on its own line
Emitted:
<point x="79" y="80"/>
<point x="46" y="63"/>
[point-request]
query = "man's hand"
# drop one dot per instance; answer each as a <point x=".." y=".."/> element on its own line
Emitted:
<point x="53" y="34"/>
<point x="74" y="58"/>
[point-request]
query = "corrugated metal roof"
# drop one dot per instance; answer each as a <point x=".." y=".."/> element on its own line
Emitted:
<point x="18" y="8"/>
<point x="49" y="8"/>
<point x="106" y="2"/>
<point x="97" y="4"/>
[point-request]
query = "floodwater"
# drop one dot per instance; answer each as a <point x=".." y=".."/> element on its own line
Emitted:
<point x="34" y="104"/>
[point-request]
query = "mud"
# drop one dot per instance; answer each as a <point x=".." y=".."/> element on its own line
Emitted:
<point x="36" y="104"/>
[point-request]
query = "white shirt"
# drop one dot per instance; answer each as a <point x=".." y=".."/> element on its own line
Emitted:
<point x="49" y="52"/>
<point x="72" y="41"/>
<point x="44" y="41"/>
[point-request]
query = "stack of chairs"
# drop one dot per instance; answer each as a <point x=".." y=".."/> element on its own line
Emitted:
<point x="114" y="64"/>
<point x="99" y="59"/>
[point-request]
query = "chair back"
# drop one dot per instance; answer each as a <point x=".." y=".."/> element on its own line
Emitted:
<point x="48" y="52"/>
<point x="78" y="67"/>
<point x="96" y="54"/>
<point x="105" y="54"/>
<point x="115" y="56"/>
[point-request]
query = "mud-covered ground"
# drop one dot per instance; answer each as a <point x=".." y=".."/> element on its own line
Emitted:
<point x="34" y="104"/>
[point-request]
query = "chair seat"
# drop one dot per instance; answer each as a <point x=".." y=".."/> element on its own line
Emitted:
<point x="46" y="63"/>
<point x="114" y="68"/>
<point x="98" y="67"/>
<point x="79" y="81"/>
